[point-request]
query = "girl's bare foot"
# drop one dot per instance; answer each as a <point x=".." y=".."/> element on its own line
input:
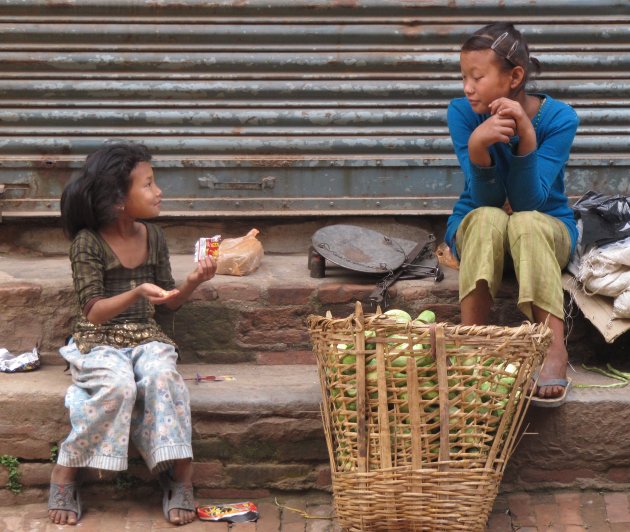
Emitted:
<point x="63" y="475"/>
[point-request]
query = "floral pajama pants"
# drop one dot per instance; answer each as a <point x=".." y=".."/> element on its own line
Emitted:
<point x="121" y="394"/>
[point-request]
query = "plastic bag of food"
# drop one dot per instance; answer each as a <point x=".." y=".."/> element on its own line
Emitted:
<point x="240" y="256"/>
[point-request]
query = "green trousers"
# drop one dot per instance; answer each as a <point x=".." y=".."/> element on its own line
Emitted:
<point x="539" y="246"/>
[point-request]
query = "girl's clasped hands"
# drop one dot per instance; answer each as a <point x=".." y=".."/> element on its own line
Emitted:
<point x="508" y="119"/>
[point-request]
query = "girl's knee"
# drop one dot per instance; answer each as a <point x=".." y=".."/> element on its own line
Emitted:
<point x="527" y="217"/>
<point x="161" y="378"/>
<point x="155" y="366"/>
<point x="489" y="221"/>
<point x="162" y="373"/>
<point x="488" y="215"/>
<point x="531" y="223"/>
<point x="120" y="389"/>
<point x="484" y="226"/>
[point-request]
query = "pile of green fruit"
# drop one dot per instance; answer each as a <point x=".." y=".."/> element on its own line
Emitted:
<point x="479" y="387"/>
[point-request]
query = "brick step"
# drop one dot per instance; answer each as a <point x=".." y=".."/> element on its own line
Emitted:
<point x="261" y="433"/>
<point x="259" y="318"/>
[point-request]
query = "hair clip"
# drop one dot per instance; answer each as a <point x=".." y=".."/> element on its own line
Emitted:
<point x="497" y="42"/>
<point x="512" y="51"/>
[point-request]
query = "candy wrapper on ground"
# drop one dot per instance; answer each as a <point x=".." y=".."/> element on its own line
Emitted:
<point x="238" y="512"/>
<point x="240" y="256"/>
<point x="9" y="363"/>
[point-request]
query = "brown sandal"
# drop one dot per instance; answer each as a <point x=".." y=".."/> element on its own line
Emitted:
<point x="177" y="496"/>
<point x="65" y="497"/>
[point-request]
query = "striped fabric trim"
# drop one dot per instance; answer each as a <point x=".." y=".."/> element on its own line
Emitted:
<point x="109" y="463"/>
<point x="164" y="456"/>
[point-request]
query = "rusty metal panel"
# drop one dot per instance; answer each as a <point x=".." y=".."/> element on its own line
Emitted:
<point x="288" y="107"/>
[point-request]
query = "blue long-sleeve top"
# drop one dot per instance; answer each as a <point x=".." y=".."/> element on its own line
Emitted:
<point x="532" y="182"/>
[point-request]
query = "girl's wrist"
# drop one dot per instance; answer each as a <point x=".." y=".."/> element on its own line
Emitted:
<point x="138" y="291"/>
<point x="192" y="282"/>
<point x="479" y="155"/>
<point x="527" y="141"/>
<point x="525" y="128"/>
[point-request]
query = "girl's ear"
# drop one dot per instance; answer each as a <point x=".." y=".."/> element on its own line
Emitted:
<point x="517" y="77"/>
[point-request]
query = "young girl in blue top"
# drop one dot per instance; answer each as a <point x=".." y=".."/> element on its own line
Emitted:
<point x="125" y="384"/>
<point x="512" y="147"/>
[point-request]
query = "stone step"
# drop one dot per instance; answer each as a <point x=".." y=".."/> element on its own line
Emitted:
<point x="259" y="318"/>
<point x="261" y="433"/>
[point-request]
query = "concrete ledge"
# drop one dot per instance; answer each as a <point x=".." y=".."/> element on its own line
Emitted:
<point x="262" y="432"/>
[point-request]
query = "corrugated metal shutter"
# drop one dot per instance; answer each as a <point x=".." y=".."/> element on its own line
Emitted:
<point x="287" y="107"/>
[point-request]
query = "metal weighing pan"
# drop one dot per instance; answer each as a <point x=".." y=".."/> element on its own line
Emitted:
<point x="361" y="249"/>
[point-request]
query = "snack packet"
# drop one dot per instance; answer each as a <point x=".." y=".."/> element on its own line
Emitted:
<point x="207" y="247"/>
<point x="237" y="512"/>
<point x="10" y="363"/>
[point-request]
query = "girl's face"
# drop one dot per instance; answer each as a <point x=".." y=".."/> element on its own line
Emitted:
<point x="144" y="197"/>
<point x="484" y="80"/>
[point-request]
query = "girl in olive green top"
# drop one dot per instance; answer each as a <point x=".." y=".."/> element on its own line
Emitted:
<point x="125" y="381"/>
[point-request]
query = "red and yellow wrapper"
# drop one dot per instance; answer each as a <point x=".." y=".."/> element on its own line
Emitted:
<point x="237" y="512"/>
<point x="207" y="247"/>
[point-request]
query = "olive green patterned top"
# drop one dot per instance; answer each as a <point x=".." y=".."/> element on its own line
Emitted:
<point x="97" y="273"/>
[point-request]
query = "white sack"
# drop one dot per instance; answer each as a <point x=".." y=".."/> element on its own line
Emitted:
<point x="621" y="305"/>
<point x="606" y="270"/>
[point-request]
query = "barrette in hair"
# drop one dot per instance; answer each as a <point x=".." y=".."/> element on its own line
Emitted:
<point x="499" y="40"/>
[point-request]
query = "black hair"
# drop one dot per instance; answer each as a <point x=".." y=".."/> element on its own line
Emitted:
<point x="509" y="46"/>
<point x="91" y="200"/>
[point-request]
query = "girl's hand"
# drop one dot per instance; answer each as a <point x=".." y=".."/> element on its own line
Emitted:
<point x="506" y="108"/>
<point x="205" y="270"/>
<point x="494" y="129"/>
<point x="156" y="295"/>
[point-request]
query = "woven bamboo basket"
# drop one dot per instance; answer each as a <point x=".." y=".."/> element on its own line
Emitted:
<point x="420" y="419"/>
